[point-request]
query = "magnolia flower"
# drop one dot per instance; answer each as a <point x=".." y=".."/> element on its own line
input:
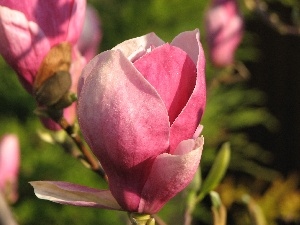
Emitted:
<point x="9" y="166"/>
<point x="139" y="108"/>
<point x="91" y="34"/>
<point x="29" y="29"/>
<point x="224" y="27"/>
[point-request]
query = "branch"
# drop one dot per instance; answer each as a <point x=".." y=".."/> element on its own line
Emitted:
<point x="87" y="155"/>
<point x="271" y="18"/>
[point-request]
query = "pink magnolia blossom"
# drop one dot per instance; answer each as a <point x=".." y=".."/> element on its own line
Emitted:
<point x="29" y="29"/>
<point x="139" y="108"/>
<point x="224" y="27"/>
<point x="91" y="35"/>
<point x="9" y="166"/>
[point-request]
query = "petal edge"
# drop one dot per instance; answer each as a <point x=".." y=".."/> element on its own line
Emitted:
<point x="73" y="194"/>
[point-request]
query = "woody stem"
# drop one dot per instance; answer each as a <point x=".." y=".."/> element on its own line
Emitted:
<point x="87" y="155"/>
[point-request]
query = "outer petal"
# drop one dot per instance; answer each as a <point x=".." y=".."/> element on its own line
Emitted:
<point x="188" y="42"/>
<point x="85" y="73"/>
<point x="185" y="125"/>
<point x="91" y="34"/>
<point x="125" y="123"/>
<point x="22" y="44"/>
<point x="136" y="47"/>
<point x="68" y="17"/>
<point x="76" y="21"/>
<point x="73" y="194"/>
<point x="169" y="175"/>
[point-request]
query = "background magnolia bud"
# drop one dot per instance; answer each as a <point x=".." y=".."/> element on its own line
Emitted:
<point x="9" y="166"/>
<point x="224" y="31"/>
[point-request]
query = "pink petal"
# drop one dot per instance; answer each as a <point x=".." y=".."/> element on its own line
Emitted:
<point x="136" y="47"/>
<point x="85" y="73"/>
<point x="66" y="21"/>
<point x="198" y="131"/>
<point x="50" y="124"/>
<point x="73" y="194"/>
<point x="76" y="18"/>
<point x="224" y="25"/>
<point x="22" y="44"/>
<point x="184" y="147"/>
<point x="187" y="42"/>
<point x="9" y="159"/>
<point x="126" y="128"/>
<point x="169" y="175"/>
<point x="185" y="125"/>
<point x="9" y="166"/>
<point x="91" y="34"/>
<point x="172" y="73"/>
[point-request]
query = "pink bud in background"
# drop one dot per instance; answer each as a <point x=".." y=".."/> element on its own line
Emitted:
<point x="139" y="107"/>
<point x="224" y="28"/>
<point x="9" y="166"/>
<point x="91" y="36"/>
<point x="29" y="29"/>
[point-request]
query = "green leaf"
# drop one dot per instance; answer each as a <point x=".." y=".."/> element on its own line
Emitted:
<point x="216" y="172"/>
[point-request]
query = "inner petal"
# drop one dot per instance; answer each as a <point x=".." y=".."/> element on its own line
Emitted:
<point x="172" y="73"/>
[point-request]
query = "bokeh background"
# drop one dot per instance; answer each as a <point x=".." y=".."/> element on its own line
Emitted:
<point x="253" y="104"/>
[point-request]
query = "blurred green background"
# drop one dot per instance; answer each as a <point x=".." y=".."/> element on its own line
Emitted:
<point x="260" y="115"/>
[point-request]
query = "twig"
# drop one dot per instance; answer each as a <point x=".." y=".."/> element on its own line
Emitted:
<point x="158" y="220"/>
<point x="272" y="19"/>
<point x="188" y="216"/>
<point x="87" y="155"/>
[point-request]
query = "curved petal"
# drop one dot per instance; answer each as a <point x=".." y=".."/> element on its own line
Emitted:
<point x="91" y="35"/>
<point x="68" y="17"/>
<point x="198" y="131"/>
<point x="73" y="194"/>
<point x="172" y="73"/>
<point x="136" y="47"/>
<point x="188" y="43"/>
<point x="22" y="44"/>
<point x="86" y="71"/>
<point x="185" y="125"/>
<point x="169" y="175"/>
<point x="125" y="123"/>
<point x="76" y="19"/>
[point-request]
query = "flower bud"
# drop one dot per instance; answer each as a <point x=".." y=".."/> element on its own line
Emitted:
<point x="28" y="32"/>
<point x="9" y="166"/>
<point x="224" y="31"/>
